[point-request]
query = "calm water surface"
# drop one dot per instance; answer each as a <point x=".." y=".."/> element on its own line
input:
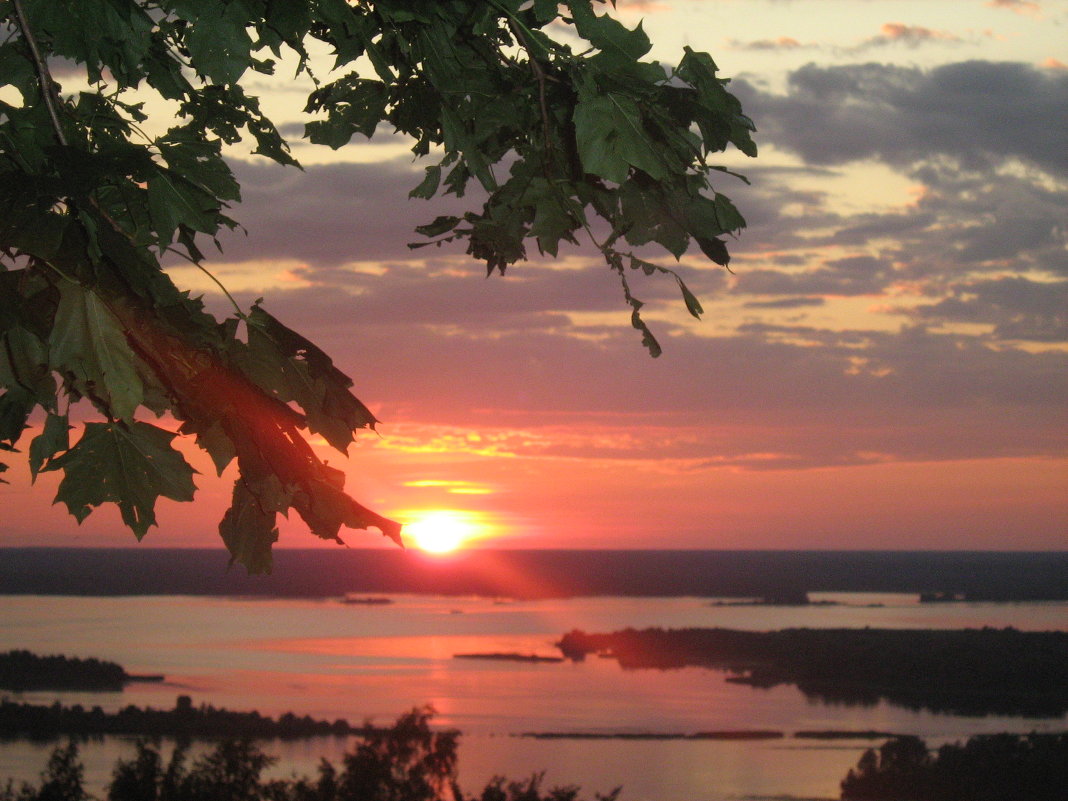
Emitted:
<point x="331" y="660"/>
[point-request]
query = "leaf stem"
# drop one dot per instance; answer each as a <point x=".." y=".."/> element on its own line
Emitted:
<point x="209" y="274"/>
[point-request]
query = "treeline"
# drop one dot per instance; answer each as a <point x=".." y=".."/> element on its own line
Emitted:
<point x="407" y="762"/>
<point x="411" y="762"/>
<point x="965" y="672"/>
<point x="23" y="671"/>
<point x="997" y="767"/>
<point x="321" y="573"/>
<point x="185" y="720"/>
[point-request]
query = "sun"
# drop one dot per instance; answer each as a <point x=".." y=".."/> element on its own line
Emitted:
<point x="440" y="530"/>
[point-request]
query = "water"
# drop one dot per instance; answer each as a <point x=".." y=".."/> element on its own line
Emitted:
<point x="359" y="662"/>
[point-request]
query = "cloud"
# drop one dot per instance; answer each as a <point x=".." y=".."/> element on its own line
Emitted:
<point x="785" y="303"/>
<point x="814" y="396"/>
<point x="910" y="35"/>
<point x="782" y="43"/>
<point x="331" y="214"/>
<point x="977" y="113"/>
<point x="851" y="275"/>
<point x="1027" y="7"/>
<point x="1019" y="308"/>
<point x="546" y="358"/>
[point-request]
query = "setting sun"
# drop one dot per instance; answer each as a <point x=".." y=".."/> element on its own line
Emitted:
<point x="440" y="530"/>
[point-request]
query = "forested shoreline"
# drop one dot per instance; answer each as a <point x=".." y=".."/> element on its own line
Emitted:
<point x="412" y="762"/>
<point x="965" y="672"/>
<point x="989" y="576"/>
<point x="22" y="671"/>
<point x="185" y="720"/>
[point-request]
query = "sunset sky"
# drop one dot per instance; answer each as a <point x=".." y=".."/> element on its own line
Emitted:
<point x="885" y="369"/>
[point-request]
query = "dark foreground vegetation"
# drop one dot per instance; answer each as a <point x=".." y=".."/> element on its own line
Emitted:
<point x="968" y="672"/>
<point x="407" y="762"/>
<point x="22" y="671"/>
<point x="997" y="767"/>
<point x="412" y="762"/>
<point x="185" y="720"/>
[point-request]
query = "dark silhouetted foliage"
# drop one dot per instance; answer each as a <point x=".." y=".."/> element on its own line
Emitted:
<point x="966" y="672"/>
<point x="185" y="720"/>
<point x="996" y="767"/>
<point x="23" y="670"/>
<point x="409" y="761"/>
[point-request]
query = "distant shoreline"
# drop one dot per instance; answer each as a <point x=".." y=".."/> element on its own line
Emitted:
<point x="993" y="576"/>
<point x="726" y="734"/>
<point x="37" y="721"/>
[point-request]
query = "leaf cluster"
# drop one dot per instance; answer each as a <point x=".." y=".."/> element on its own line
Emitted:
<point x="567" y="140"/>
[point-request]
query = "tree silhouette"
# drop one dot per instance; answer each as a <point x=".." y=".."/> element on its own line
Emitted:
<point x="599" y="142"/>
<point x="406" y="762"/>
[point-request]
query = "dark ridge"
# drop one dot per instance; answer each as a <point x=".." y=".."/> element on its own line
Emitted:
<point x="324" y="573"/>
<point x="46" y="722"/>
<point x="968" y="672"/>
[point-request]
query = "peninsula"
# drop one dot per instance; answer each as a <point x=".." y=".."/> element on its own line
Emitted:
<point x="23" y="671"/>
<point x="965" y="672"/>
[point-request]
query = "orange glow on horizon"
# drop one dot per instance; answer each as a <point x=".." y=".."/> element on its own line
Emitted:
<point x="444" y="530"/>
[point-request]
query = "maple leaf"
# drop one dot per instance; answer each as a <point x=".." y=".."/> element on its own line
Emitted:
<point x="88" y="343"/>
<point x="127" y="464"/>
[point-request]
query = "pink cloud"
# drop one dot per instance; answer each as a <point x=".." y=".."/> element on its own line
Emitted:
<point x="781" y="43"/>
<point x="911" y="35"/>
<point x="1018" y="6"/>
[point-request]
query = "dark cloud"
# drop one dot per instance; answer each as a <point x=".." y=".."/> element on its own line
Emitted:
<point x="977" y="113"/>
<point x="332" y="214"/>
<point x="1019" y="308"/>
<point x="853" y="275"/>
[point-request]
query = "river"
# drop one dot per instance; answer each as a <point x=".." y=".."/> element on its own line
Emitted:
<point x="374" y="661"/>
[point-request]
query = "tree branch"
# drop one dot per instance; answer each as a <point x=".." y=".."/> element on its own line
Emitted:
<point x="44" y="76"/>
<point x="539" y="76"/>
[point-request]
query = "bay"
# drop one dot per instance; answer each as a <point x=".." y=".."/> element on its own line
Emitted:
<point x="374" y="661"/>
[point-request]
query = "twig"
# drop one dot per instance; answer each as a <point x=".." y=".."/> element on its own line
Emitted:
<point x="539" y="76"/>
<point x="44" y="76"/>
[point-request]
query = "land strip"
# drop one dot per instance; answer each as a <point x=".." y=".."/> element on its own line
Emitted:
<point x="964" y="672"/>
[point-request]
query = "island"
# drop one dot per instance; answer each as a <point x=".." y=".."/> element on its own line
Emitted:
<point x="509" y="657"/>
<point x="366" y="600"/>
<point x="24" y="671"/>
<point x="965" y="672"/>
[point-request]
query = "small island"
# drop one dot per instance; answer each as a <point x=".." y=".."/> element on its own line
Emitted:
<point x="965" y="672"/>
<point x="366" y="600"/>
<point x="23" y="671"/>
<point x="509" y="657"/>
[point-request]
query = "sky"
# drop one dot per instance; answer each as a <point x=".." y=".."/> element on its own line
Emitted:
<point x="884" y="369"/>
